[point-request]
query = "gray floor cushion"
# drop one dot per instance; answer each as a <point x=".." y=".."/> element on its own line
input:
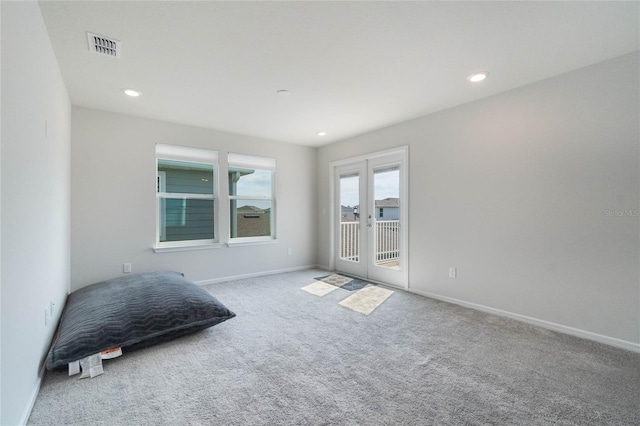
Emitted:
<point x="130" y="312"/>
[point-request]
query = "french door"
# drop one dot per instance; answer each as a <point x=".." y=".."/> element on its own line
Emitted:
<point x="370" y="218"/>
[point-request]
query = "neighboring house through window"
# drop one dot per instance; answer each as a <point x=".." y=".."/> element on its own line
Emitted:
<point x="388" y="208"/>
<point x="186" y="195"/>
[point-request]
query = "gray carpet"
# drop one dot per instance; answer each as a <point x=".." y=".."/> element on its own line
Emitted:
<point x="293" y="358"/>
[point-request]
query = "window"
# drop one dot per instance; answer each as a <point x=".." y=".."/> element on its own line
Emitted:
<point x="186" y="196"/>
<point x="381" y="212"/>
<point x="251" y="196"/>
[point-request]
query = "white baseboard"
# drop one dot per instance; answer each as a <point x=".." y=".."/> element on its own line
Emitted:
<point x="255" y="274"/>
<point x="32" y="399"/>
<point x="612" y="341"/>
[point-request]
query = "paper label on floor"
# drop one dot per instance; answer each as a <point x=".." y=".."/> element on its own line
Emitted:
<point x="91" y="366"/>
<point x="74" y="368"/>
<point x="111" y="353"/>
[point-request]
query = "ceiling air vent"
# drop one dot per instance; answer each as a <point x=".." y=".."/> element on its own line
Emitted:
<point x="104" y="45"/>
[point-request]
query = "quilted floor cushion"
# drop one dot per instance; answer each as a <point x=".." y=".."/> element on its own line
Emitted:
<point x="130" y="312"/>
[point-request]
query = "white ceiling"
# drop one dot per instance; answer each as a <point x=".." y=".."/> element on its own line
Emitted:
<point x="351" y="67"/>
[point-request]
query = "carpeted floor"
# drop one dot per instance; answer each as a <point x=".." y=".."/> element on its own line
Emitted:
<point x="293" y="358"/>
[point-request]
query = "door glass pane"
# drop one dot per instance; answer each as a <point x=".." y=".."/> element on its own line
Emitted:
<point x="349" y="217"/>
<point x="386" y="181"/>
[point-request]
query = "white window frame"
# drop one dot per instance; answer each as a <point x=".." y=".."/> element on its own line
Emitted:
<point x="245" y="161"/>
<point x="190" y="155"/>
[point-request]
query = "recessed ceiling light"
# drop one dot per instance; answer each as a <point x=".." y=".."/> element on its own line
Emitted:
<point x="479" y="76"/>
<point x="131" y="92"/>
<point x="283" y="92"/>
<point x="322" y="133"/>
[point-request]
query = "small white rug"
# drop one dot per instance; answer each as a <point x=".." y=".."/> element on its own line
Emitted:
<point x="366" y="300"/>
<point x="319" y="288"/>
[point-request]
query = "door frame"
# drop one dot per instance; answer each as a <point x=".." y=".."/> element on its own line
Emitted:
<point x="403" y="153"/>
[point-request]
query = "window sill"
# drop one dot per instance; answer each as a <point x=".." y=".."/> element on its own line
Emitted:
<point x="251" y="242"/>
<point x="186" y="247"/>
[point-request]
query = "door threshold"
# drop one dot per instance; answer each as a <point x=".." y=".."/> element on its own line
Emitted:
<point x="394" y="286"/>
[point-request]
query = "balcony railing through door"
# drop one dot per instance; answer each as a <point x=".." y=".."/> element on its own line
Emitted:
<point x="387" y="242"/>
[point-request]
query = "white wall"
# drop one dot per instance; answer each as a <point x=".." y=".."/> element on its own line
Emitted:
<point x="113" y="203"/>
<point x="35" y="202"/>
<point x="514" y="191"/>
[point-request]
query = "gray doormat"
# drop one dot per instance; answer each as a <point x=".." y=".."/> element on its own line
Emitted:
<point x="344" y="282"/>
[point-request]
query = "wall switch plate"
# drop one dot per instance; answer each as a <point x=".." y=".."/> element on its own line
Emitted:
<point x="453" y="272"/>
<point x="126" y="268"/>
<point x="289" y="251"/>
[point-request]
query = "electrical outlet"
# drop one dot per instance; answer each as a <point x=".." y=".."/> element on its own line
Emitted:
<point x="452" y="272"/>
<point x="126" y="268"/>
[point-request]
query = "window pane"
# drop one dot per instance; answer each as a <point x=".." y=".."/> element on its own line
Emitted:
<point x="186" y="219"/>
<point x="250" y="218"/>
<point x="249" y="182"/>
<point x="185" y="178"/>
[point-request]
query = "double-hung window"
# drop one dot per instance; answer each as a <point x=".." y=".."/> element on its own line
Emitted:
<point x="186" y="189"/>
<point x="251" y="197"/>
